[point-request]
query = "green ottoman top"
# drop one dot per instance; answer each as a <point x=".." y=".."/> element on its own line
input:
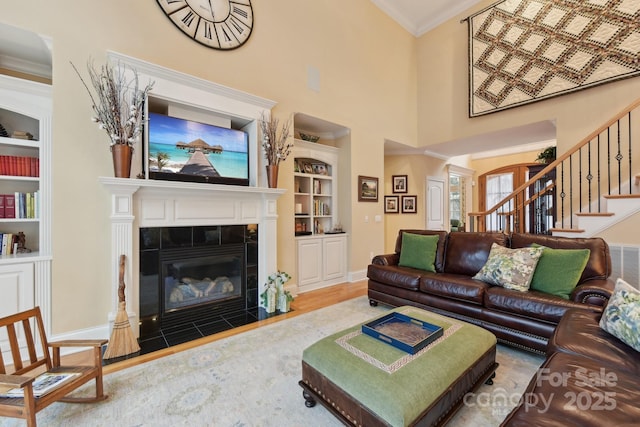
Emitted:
<point x="393" y="384"/>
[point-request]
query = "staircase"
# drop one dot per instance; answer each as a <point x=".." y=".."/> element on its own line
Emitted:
<point x="594" y="185"/>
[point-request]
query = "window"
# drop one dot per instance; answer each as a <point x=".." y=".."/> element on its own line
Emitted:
<point x="499" y="186"/>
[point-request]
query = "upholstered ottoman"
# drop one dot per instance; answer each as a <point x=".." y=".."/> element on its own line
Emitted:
<point x="366" y="382"/>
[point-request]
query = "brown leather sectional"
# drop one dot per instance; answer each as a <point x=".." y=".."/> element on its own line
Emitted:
<point x="522" y="319"/>
<point x="590" y="378"/>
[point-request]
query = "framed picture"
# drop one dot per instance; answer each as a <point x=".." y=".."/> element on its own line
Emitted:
<point x="367" y="189"/>
<point x="399" y="183"/>
<point x="391" y="204"/>
<point x="320" y="168"/>
<point x="307" y="167"/>
<point x="409" y="204"/>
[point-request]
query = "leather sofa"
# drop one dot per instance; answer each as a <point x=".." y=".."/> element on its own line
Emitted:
<point x="590" y="378"/>
<point x="522" y="319"/>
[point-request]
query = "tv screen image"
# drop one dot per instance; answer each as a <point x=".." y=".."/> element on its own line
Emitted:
<point x="186" y="150"/>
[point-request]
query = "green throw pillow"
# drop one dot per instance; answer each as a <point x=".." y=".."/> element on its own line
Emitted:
<point x="621" y="316"/>
<point x="418" y="251"/>
<point x="559" y="270"/>
<point x="510" y="268"/>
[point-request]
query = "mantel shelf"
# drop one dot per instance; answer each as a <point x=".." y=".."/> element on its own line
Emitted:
<point x="132" y="185"/>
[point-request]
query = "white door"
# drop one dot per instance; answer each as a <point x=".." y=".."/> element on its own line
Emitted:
<point x="435" y="203"/>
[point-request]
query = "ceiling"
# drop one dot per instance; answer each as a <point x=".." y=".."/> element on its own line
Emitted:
<point x="30" y="53"/>
<point x="420" y="16"/>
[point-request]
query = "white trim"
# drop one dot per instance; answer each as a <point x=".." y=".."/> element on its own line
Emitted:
<point x="357" y="276"/>
<point x="535" y="146"/>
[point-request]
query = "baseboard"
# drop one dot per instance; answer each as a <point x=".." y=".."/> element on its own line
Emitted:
<point x="356" y="276"/>
<point x="97" y="332"/>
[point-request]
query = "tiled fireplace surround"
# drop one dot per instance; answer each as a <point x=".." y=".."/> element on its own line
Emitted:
<point x="140" y="203"/>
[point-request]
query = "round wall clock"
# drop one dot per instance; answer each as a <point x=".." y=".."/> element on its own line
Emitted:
<point x="218" y="24"/>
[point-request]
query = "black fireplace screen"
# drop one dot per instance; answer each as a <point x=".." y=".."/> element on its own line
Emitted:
<point x="201" y="280"/>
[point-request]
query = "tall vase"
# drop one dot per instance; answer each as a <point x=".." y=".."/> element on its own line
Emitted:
<point x="121" y="154"/>
<point x="272" y="298"/>
<point x="272" y="176"/>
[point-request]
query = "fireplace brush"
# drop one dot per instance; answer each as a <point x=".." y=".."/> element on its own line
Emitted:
<point x="122" y="341"/>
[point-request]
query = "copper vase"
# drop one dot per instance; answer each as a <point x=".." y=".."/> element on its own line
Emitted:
<point x="121" y="160"/>
<point x="272" y="176"/>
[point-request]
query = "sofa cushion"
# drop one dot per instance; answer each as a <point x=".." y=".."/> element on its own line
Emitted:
<point x="454" y="286"/>
<point x="419" y="251"/>
<point x="442" y="240"/>
<point x="466" y="253"/>
<point x="570" y="390"/>
<point x="579" y="332"/>
<point x="599" y="264"/>
<point x="621" y="316"/>
<point x="402" y="277"/>
<point x="531" y="304"/>
<point x="559" y="270"/>
<point x="510" y="268"/>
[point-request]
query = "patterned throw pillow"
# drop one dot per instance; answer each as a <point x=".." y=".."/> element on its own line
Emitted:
<point x="510" y="268"/>
<point x="621" y="316"/>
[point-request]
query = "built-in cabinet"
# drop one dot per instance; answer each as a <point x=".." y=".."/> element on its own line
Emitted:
<point x="315" y="188"/>
<point x="25" y="141"/>
<point x="321" y="241"/>
<point x="322" y="261"/>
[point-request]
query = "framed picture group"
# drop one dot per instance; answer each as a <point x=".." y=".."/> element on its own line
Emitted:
<point x="400" y="204"/>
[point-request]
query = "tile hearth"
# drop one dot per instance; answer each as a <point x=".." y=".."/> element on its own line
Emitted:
<point x="191" y="331"/>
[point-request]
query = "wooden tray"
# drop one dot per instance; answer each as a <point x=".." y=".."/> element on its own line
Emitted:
<point x="403" y="332"/>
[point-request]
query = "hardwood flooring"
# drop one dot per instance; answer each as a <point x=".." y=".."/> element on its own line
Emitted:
<point x="303" y="303"/>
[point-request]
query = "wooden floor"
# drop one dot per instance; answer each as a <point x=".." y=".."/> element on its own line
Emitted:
<point x="303" y="303"/>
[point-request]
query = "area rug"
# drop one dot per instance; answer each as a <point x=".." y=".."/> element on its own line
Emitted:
<point x="522" y="51"/>
<point x="251" y="379"/>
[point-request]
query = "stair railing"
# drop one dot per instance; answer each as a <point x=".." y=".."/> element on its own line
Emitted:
<point x="601" y="164"/>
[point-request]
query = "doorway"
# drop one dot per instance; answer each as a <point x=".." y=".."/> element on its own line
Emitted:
<point x="434" y="201"/>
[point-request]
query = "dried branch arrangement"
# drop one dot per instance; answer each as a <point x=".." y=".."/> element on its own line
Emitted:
<point x="275" y="140"/>
<point x="117" y="101"/>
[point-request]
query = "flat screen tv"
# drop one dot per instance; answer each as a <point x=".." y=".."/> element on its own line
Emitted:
<point x="186" y="150"/>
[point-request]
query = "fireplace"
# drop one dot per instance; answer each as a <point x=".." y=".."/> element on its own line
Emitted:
<point x="196" y="276"/>
<point x="154" y="204"/>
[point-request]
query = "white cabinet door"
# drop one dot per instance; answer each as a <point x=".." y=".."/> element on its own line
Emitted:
<point x="309" y="261"/>
<point x="16" y="288"/>
<point x="335" y="258"/>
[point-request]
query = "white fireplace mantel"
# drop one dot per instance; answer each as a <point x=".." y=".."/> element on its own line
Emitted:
<point x="137" y="203"/>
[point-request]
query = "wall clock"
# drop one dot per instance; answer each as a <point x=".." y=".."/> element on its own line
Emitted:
<point x="218" y="24"/>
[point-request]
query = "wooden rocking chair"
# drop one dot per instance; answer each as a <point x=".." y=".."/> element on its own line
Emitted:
<point x="31" y="371"/>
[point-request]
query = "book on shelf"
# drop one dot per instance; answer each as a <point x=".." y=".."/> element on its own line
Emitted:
<point x="19" y="166"/>
<point x="42" y="384"/>
<point x="22" y="205"/>
<point x="21" y="134"/>
<point x="9" y="206"/>
<point x="7" y="243"/>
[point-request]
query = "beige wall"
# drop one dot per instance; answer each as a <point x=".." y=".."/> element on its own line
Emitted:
<point x="368" y="79"/>
<point x="376" y="79"/>
<point x="417" y="168"/>
<point x="443" y="95"/>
